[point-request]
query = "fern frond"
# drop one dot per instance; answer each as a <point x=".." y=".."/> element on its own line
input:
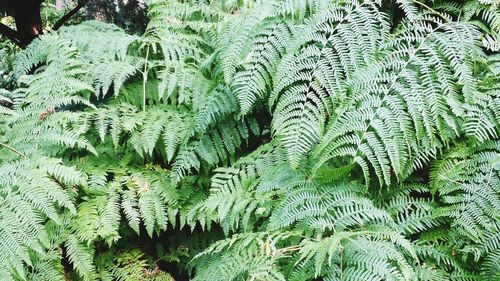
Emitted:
<point x="325" y="207"/>
<point x="467" y="179"/>
<point x="311" y="77"/>
<point x="234" y="198"/>
<point x="254" y="76"/>
<point x="81" y="256"/>
<point x="400" y="108"/>
<point x="216" y="146"/>
<point x="356" y="255"/>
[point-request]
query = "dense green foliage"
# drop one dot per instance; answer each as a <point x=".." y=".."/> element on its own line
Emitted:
<point x="256" y="140"/>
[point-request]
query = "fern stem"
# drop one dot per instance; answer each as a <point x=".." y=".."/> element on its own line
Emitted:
<point x="341" y="261"/>
<point x="144" y="80"/>
<point x="432" y="10"/>
<point x="14" y="150"/>
<point x="290" y="249"/>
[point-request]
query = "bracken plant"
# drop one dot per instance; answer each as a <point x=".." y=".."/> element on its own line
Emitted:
<point x="257" y="140"/>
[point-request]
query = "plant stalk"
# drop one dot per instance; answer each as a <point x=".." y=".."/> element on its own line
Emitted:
<point x="14" y="150"/>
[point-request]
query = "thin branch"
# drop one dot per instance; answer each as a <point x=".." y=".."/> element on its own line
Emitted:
<point x="10" y="33"/>
<point x="71" y="13"/>
<point x="13" y="150"/>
